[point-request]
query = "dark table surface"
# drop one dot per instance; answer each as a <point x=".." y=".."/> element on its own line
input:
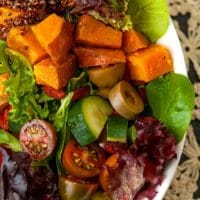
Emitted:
<point x="186" y="17"/>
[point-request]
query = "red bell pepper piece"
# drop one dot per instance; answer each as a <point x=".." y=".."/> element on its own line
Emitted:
<point x="51" y="92"/>
<point x="81" y="92"/>
<point x="4" y="118"/>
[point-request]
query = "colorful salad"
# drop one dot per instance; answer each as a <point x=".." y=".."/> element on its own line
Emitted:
<point x="90" y="105"/>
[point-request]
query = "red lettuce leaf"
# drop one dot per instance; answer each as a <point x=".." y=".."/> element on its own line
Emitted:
<point x="153" y="147"/>
<point x="83" y="5"/>
<point x="18" y="180"/>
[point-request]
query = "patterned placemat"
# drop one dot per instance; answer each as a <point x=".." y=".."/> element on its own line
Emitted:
<point x="186" y="17"/>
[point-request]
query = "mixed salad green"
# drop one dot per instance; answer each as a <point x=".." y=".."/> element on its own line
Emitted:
<point x="94" y="144"/>
<point x="149" y="17"/>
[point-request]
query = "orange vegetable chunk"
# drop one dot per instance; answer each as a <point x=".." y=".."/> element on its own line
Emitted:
<point x="3" y="97"/>
<point x="56" y="36"/>
<point x="133" y="41"/>
<point x="150" y="63"/>
<point x="95" y="33"/>
<point x="88" y="57"/>
<point x="23" y="40"/>
<point x="55" y="76"/>
<point x="3" y="77"/>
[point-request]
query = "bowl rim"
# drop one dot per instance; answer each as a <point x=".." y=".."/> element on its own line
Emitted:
<point x="172" y="42"/>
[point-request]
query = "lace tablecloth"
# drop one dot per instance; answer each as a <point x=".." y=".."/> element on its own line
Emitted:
<point x="186" y="183"/>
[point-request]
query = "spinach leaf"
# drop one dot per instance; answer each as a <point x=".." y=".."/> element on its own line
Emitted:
<point x="171" y="99"/>
<point x="10" y="141"/>
<point x="80" y="81"/>
<point x="60" y="124"/>
<point x="150" y="17"/>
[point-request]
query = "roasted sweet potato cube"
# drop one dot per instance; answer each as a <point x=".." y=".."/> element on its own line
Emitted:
<point x="88" y="57"/>
<point x="150" y="63"/>
<point x="92" y="32"/>
<point x="133" y="41"/>
<point x="55" y="76"/>
<point x="7" y="13"/>
<point x="3" y="97"/>
<point x="23" y="40"/>
<point x="3" y="78"/>
<point x="56" y="36"/>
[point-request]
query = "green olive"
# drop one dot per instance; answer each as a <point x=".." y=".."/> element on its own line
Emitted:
<point x="75" y="190"/>
<point x="126" y="100"/>
<point x="106" y="76"/>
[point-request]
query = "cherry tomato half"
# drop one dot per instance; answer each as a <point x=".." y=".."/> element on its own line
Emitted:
<point x="38" y="138"/>
<point x="83" y="162"/>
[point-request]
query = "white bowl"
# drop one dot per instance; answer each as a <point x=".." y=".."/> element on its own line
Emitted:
<point x="171" y="41"/>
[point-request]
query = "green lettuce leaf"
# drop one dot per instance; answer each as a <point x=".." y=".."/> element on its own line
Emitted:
<point x="150" y="17"/>
<point x="23" y="92"/>
<point x="77" y="82"/>
<point x="171" y="99"/>
<point x="3" y="59"/>
<point x="123" y="24"/>
<point x="113" y="12"/>
<point x="60" y="124"/>
<point x="118" y="5"/>
<point x="10" y="141"/>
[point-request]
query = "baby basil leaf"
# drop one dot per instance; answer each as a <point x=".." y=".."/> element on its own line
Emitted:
<point x="171" y="99"/>
<point x="10" y="141"/>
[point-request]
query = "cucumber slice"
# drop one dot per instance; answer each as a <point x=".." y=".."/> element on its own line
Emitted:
<point x="87" y="118"/>
<point x="117" y="128"/>
<point x="132" y="134"/>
